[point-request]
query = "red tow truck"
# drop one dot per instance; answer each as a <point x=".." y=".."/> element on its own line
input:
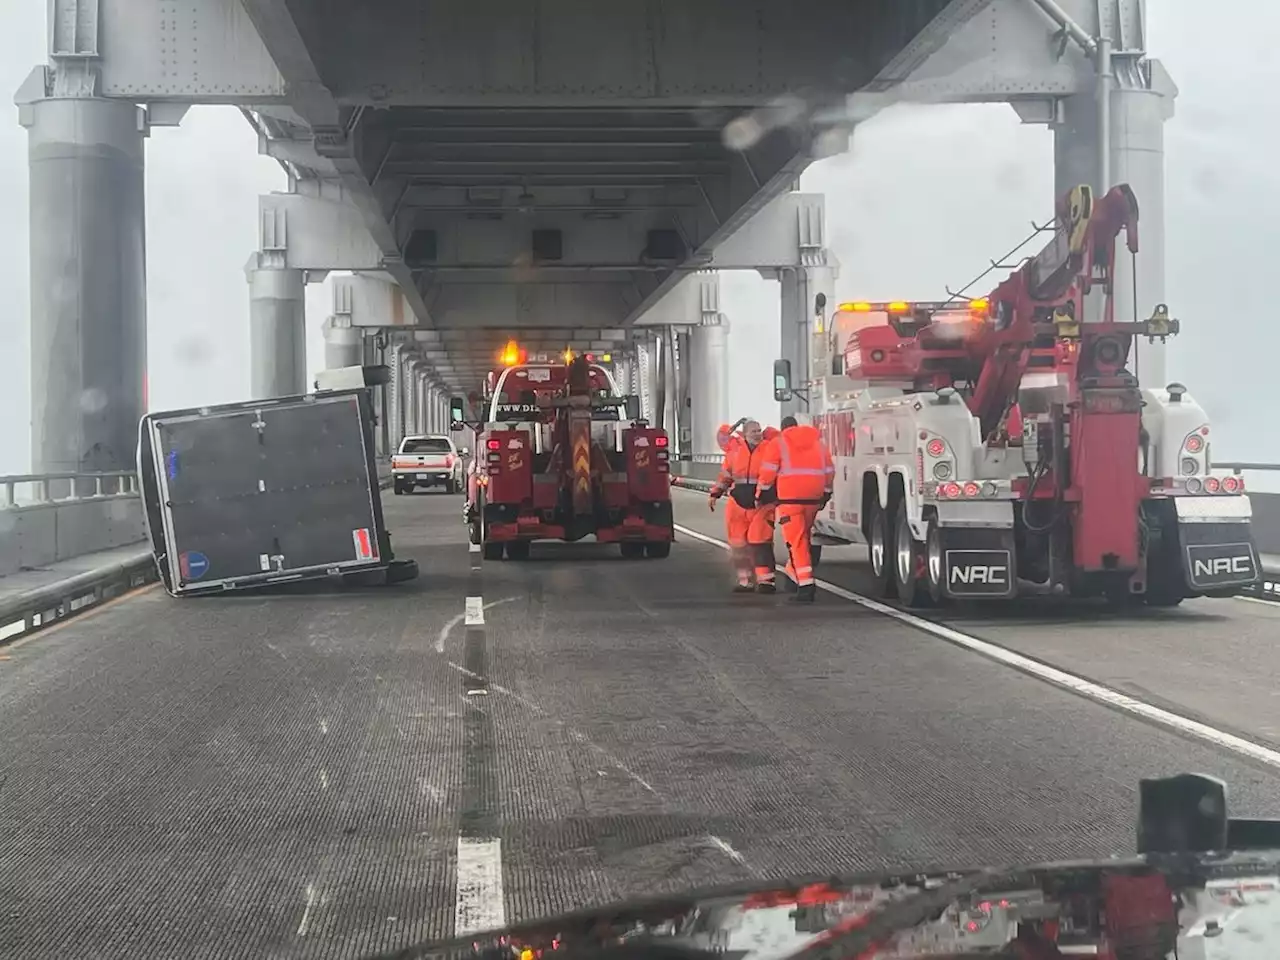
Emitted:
<point x="560" y="455"/>
<point x="1004" y="447"/>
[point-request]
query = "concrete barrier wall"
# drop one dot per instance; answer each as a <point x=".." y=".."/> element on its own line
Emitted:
<point x="698" y="471"/>
<point x="41" y="534"/>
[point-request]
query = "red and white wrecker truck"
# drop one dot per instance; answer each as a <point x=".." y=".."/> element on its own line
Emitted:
<point x="1003" y="447"/>
<point x="560" y="455"/>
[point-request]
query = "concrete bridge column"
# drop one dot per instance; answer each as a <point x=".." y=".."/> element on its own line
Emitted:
<point x="647" y="378"/>
<point x="708" y="383"/>
<point x="1133" y="152"/>
<point x="681" y="369"/>
<point x="88" y="281"/>
<point x="395" y="415"/>
<point x="669" y="386"/>
<point x="430" y="424"/>
<point x="277" y="328"/>
<point x="343" y="344"/>
<point x="622" y="373"/>
<point x="414" y="385"/>
<point x="799" y="286"/>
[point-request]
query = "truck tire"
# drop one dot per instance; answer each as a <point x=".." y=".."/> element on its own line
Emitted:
<point x="397" y="488"/>
<point x="1166" y="585"/>
<point x="658" y="549"/>
<point x="518" y="550"/>
<point x="492" y="551"/>
<point x="450" y="486"/>
<point x="935" y="562"/>
<point x="880" y="552"/>
<point x="910" y="569"/>
<point x="632" y="550"/>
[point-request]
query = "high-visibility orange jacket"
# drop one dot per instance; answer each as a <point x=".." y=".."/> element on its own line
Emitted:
<point x="798" y="466"/>
<point x="740" y="472"/>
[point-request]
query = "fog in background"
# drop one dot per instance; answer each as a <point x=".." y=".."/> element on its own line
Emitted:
<point x="925" y="198"/>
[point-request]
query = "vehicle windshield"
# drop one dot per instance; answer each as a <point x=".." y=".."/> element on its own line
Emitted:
<point x="426" y="445"/>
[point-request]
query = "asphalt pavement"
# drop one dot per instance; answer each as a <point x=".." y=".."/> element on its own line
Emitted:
<point x="1212" y="660"/>
<point x="335" y="772"/>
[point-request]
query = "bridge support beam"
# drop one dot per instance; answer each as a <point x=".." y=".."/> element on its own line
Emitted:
<point x="708" y="365"/>
<point x="88" y="279"/>
<point x="277" y="329"/>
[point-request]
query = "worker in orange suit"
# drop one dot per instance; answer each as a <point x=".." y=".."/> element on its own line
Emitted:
<point x="798" y="475"/>
<point x="749" y="525"/>
<point x="730" y="441"/>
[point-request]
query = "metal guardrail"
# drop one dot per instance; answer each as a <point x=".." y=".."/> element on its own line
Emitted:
<point x="691" y="483"/>
<point x="1238" y="467"/>
<point x="78" y="486"/>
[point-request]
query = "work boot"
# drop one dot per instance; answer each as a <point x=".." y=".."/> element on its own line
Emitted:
<point x="766" y="586"/>
<point x="743" y="586"/>
<point x="806" y="594"/>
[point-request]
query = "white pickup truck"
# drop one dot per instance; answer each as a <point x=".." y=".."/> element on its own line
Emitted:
<point x="427" y="462"/>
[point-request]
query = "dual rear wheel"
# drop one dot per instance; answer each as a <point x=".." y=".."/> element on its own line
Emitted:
<point x="902" y="566"/>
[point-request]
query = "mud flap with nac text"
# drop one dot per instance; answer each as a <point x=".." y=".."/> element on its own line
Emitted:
<point x="978" y="564"/>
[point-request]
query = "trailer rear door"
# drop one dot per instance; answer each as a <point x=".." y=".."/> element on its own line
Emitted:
<point x="281" y="488"/>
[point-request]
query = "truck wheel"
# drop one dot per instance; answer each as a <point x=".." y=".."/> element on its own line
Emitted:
<point x="880" y="550"/>
<point x="909" y="567"/>
<point x="935" y="562"/>
<point x="658" y="549"/>
<point x="1160" y="595"/>
<point x="399" y="490"/>
<point x="632" y="550"/>
<point x="1165" y="583"/>
<point x="518" y="550"/>
<point x="493" y="551"/>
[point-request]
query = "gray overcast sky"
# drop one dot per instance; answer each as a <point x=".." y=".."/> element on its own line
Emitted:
<point x="908" y="212"/>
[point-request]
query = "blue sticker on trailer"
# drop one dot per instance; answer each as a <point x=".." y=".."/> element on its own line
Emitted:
<point x="171" y="463"/>
<point x="192" y="565"/>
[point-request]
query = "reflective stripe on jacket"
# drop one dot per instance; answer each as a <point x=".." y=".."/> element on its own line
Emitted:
<point x="798" y="464"/>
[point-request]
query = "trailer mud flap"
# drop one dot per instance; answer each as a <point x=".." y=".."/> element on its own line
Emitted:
<point x="1218" y="556"/>
<point x="978" y="564"/>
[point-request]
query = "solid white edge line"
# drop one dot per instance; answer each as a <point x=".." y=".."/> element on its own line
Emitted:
<point x="1042" y="671"/>
<point x="475" y="612"/>
<point x="1269" y="603"/>
<point x="479" y="904"/>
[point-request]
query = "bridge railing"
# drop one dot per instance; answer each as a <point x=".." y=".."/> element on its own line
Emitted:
<point x="46" y="518"/>
<point x="36" y="489"/>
